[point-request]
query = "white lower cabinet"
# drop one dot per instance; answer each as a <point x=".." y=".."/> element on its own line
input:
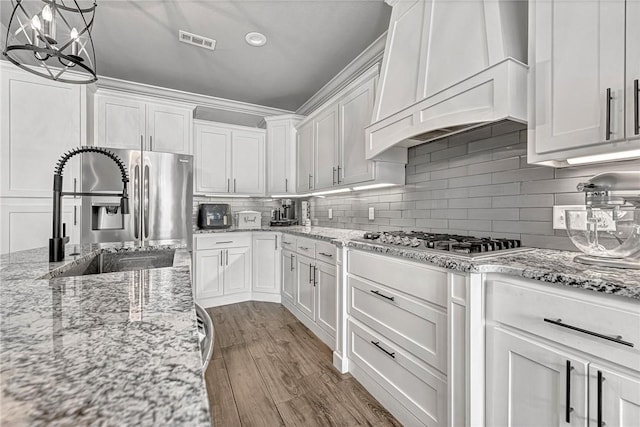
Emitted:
<point x="222" y="268"/>
<point x="305" y="287"/>
<point x="289" y="272"/>
<point x="399" y="338"/>
<point x="560" y="357"/>
<point x="266" y="264"/>
<point x="310" y="285"/>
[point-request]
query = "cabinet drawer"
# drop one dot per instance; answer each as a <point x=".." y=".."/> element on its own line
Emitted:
<point x="288" y="242"/>
<point x="519" y="304"/>
<point x="411" y="278"/>
<point x="326" y="252"/>
<point x="306" y="247"/>
<point x="421" y="391"/>
<point x="415" y="326"/>
<point x="223" y="240"/>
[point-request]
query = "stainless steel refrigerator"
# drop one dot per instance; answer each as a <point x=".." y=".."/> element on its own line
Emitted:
<point x="160" y="197"/>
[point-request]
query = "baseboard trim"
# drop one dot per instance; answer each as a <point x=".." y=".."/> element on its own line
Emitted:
<point x="340" y="363"/>
<point x="236" y="298"/>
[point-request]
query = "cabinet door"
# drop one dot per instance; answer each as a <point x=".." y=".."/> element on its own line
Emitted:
<point x="305" y="287"/>
<point x="169" y="128"/>
<point x="247" y="159"/>
<point x="325" y="149"/>
<point x="212" y="159"/>
<point x="355" y="114"/>
<point x="119" y="122"/>
<point x="41" y="120"/>
<point x="209" y="273"/>
<point x="237" y="270"/>
<point x="304" y="155"/>
<point x="289" y="275"/>
<point x="633" y="70"/>
<point x="527" y="383"/>
<point x="579" y="55"/>
<point x="327" y="289"/>
<point x="619" y="396"/>
<point x="266" y="263"/>
<point x="26" y="223"/>
<point x="279" y="165"/>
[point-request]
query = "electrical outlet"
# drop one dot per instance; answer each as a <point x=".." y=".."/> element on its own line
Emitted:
<point x="330" y="213"/>
<point x="558" y="215"/>
<point x="372" y="214"/>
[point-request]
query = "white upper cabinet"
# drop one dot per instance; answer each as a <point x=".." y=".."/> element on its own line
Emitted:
<point x="169" y="128"/>
<point x="331" y="142"/>
<point x="304" y="155"/>
<point x="326" y="148"/>
<point x="355" y="113"/>
<point x="127" y="121"/>
<point x="584" y="62"/>
<point x="41" y="120"/>
<point x="228" y="159"/>
<point x="247" y="161"/>
<point x="281" y="154"/>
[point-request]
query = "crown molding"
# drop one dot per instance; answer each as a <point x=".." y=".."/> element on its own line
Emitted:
<point x="372" y="54"/>
<point x="109" y="83"/>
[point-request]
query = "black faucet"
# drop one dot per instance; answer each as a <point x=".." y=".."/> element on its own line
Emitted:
<point x="59" y="239"/>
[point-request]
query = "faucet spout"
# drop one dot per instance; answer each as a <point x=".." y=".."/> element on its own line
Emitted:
<point x="59" y="238"/>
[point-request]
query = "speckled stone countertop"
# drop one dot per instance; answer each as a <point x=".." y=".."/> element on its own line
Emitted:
<point x="104" y="349"/>
<point x="545" y="265"/>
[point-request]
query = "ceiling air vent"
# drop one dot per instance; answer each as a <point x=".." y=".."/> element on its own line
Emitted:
<point x="197" y="40"/>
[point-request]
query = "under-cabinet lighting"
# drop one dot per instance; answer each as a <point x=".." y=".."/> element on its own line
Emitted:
<point x="604" y="157"/>
<point x="372" y="186"/>
<point x="224" y="196"/>
<point x="340" y="190"/>
<point x="288" y="196"/>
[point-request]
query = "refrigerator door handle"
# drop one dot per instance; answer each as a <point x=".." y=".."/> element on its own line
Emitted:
<point x="136" y="201"/>
<point x="145" y="207"/>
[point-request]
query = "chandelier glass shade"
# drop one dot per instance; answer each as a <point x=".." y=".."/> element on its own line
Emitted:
<point x="52" y="38"/>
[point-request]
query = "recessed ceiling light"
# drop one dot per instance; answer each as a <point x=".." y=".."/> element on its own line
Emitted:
<point x="256" y="39"/>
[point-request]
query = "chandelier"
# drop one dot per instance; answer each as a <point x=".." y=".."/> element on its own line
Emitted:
<point x="52" y="38"/>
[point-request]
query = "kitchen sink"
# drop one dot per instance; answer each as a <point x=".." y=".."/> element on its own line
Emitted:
<point x="122" y="261"/>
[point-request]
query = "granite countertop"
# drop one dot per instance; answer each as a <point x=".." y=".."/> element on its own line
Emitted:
<point x="110" y="349"/>
<point x="545" y="265"/>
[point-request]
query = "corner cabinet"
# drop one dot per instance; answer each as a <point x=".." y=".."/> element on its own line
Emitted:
<point x="281" y="154"/>
<point x="549" y="364"/>
<point x="583" y="81"/>
<point x="130" y="121"/>
<point x="229" y="159"/>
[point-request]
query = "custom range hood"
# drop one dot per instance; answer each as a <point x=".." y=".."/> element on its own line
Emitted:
<point x="448" y="66"/>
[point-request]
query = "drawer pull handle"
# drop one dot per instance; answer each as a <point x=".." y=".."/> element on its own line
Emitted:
<point x="327" y="255"/>
<point x="383" y="295"/>
<point x="618" y="339"/>
<point x="286" y="243"/>
<point x="303" y="248"/>
<point x="377" y="344"/>
<point x="220" y="243"/>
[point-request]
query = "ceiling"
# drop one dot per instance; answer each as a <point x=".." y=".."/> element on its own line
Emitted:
<point x="309" y="42"/>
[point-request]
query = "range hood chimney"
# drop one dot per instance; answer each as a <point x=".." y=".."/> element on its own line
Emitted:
<point x="448" y="66"/>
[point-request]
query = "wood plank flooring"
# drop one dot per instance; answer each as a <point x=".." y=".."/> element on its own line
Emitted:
<point x="268" y="369"/>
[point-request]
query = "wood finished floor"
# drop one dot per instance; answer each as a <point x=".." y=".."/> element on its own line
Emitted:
<point x="268" y="369"/>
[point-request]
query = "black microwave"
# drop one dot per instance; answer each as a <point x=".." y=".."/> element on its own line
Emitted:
<point x="214" y="215"/>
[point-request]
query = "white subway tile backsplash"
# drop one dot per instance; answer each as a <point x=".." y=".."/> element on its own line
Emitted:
<point x="477" y="183"/>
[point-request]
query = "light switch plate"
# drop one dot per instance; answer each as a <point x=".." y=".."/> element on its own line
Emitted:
<point x="330" y="213"/>
<point x="558" y="215"/>
<point x="372" y="214"/>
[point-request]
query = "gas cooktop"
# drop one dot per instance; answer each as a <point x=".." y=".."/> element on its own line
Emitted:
<point x="467" y="246"/>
